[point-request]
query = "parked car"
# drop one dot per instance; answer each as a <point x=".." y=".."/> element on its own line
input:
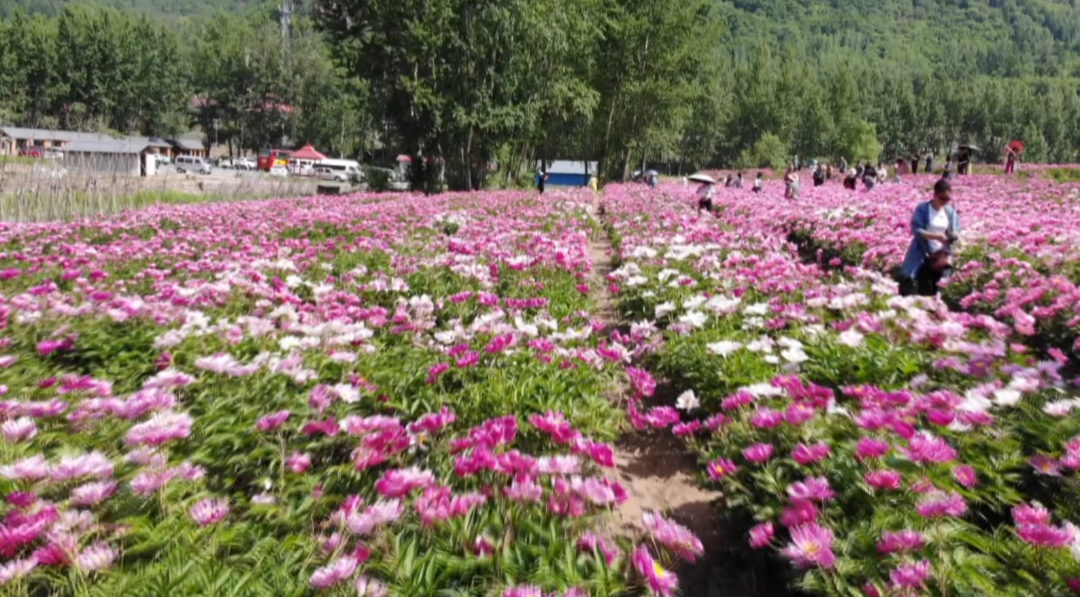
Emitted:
<point x="225" y="163"/>
<point x="331" y="174"/>
<point x="31" y="151"/>
<point x="164" y="160"/>
<point x="244" y="164"/>
<point x="190" y="163"/>
<point x="279" y="171"/>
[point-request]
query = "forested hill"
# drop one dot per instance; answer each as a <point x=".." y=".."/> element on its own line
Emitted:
<point x="164" y="9"/>
<point x="954" y="38"/>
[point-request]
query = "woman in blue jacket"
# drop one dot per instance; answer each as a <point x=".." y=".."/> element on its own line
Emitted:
<point x="935" y="227"/>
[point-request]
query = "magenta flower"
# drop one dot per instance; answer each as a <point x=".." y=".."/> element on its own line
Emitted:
<point x="661" y="581"/>
<point x="435" y="371"/>
<point x="589" y="541"/>
<point x="799" y="513"/>
<point x="558" y="465"/>
<point x="674" y="536"/>
<point x="814" y="489"/>
<point x="761" y="535"/>
<point x="923" y="447"/>
<point x="92" y="493"/>
<point x="910" y="575"/>
<point x="92" y="464"/>
<point x="1044" y="465"/>
<point x="965" y="476"/>
<point x="398" y="483"/>
<point x="432" y="423"/>
<point x="1024" y="514"/>
<point x="1044" y="535"/>
<point x="333" y="573"/>
<point x="811" y="545"/>
<point x="523" y="491"/>
<point x="804" y="455"/>
<point x="758" y="453"/>
<point x="523" y="591"/>
<point x="208" y="511"/>
<point x="883" y="479"/>
<point x="641" y="382"/>
<point x="741" y="398"/>
<point x="901" y="541"/>
<point x="98" y="556"/>
<point x="18" y="430"/>
<point x="161" y="428"/>
<point x="937" y="504"/>
<point x="553" y="424"/>
<point x="720" y="468"/>
<point x="766" y="418"/>
<point x="798" y="413"/>
<point x="272" y="422"/>
<point x="380" y="513"/>
<point x="298" y="462"/>
<point x="867" y="448"/>
<point x="30" y="468"/>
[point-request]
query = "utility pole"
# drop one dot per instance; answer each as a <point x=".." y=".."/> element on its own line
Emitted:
<point x="286" y="10"/>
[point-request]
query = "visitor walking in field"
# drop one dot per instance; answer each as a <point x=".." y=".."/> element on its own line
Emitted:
<point x="1012" y="156"/>
<point x="929" y="162"/>
<point x="704" y="196"/>
<point x="869" y="176"/>
<point x="757" y="182"/>
<point x="791" y="183"/>
<point x="935" y="228"/>
<point x="819" y="175"/>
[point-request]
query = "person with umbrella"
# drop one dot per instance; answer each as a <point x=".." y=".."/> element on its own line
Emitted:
<point x="963" y="165"/>
<point x="651" y="177"/>
<point x="704" y="194"/>
<point x="1012" y="155"/>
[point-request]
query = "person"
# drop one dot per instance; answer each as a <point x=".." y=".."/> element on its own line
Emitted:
<point x="859" y="169"/>
<point x="935" y="229"/>
<point x="963" y="165"/>
<point x="914" y="163"/>
<point x="592" y="182"/>
<point x="929" y="162"/>
<point x="902" y="166"/>
<point x="851" y="179"/>
<point x="704" y="196"/>
<point x="819" y="176"/>
<point x="791" y="183"/>
<point x="652" y="180"/>
<point x="828" y="171"/>
<point x="729" y="181"/>
<point x="882" y="172"/>
<point x="869" y="176"/>
<point x="843" y="165"/>
<point x="541" y="181"/>
<point x="947" y="174"/>
<point x="1011" y="158"/>
<point x="737" y="183"/>
<point x="757" y="182"/>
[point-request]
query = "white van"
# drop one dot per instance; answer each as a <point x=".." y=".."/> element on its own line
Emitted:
<point x="301" y="167"/>
<point x="190" y="163"/>
<point x="340" y="170"/>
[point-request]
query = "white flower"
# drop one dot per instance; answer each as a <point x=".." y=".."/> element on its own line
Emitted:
<point x="694" y="319"/>
<point x="1074" y="547"/>
<point x="724" y="347"/>
<point x="687" y="401"/>
<point x="664" y="308"/>
<point x="763" y="344"/>
<point x="850" y="338"/>
<point x="1059" y="408"/>
<point x="795" y="355"/>
<point x="772" y="359"/>
<point x="1006" y="397"/>
<point x="762" y="390"/>
<point x="693" y="302"/>
<point x="722" y="305"/>
<point x="757" y="309"/>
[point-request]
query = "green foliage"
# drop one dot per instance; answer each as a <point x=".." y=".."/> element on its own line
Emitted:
<point x="378" y="179"/>
<point x="768" y="152"/>
<point x="858" y="141"/>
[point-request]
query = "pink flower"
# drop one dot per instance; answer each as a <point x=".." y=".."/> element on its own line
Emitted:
<point x="812" y="489"/>
<point x="937" y="504"/>
<point x="208" y="511"/>
<point x="379" y="513"/>
<point x="433" y="422"/>
<point x="17" y="430"/>
<point x="720" y="468"/>
<point x="1044" y="535"/>
<point x="659" y="580"/>
<point x="161" y="428"/>
<point x="298" y="462"/>
<point x="811" y="545"/>
<point x="798" y="413"/>
<point x="92" y="464"/>
<point x="901" y="541"/>
<point x="30" y="468"/>
<point x="588" y="541"/>
<point x="368" y="587"/>
<point x="883" y="479"/>
<point x="92" y="493"/>
<point x="398" y="483"/>
<point x="1029" y="515"/>
<point x="641" y="382"/>
<point x="435" y="371"/>
<point x="965" y="476"/>
<point x="804" y="455"/>
<point x="867" y="448"/>
<point x="923" y="447"/>
<point x="523" y="491"/>
<point x="523" y="591"/>
<point x="910" y="575"/>
<point x="558" y="465"/>
<point x="799" y="513"/>
<point x="272" y="422"/>
<point x="95" y="557"/>
<point x="761" y="535"/>
<point x="758" y="453"/>
<point x="674" y="536"/>
<point x="736" y="400"/>
<point x="766" y="418"/>
<point x="16" y="569"/>
<point x="1044" y="465"/>
<point x="553" y="424"/>
<point x="333" y="573"/>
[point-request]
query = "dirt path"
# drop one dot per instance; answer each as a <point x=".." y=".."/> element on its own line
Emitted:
<point x="657" y="470"/>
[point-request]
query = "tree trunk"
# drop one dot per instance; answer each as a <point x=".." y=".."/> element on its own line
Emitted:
<point x="607" y="133"/>
<point x="468" y="160"/>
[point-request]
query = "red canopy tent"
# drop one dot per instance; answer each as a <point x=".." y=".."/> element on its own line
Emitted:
<point x="307" y="152"/>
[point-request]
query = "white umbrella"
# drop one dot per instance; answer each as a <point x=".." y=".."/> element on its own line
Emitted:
<point x="701" y="178"/>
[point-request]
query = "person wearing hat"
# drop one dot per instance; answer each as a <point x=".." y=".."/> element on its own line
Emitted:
<point x="935" y="228"/>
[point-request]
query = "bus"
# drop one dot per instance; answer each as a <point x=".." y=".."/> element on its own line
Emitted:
<point x="268" y="158"/>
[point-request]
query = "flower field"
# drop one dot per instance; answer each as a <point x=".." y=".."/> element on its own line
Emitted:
<point x="878" y="445"/>
<point x="365" y="395"/>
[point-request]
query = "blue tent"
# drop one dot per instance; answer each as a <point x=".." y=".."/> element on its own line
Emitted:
<point x="569" y="174"/>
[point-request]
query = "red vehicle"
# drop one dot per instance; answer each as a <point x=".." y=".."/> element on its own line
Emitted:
<point x="31" y="151"/>
<point x="268" y="158"/>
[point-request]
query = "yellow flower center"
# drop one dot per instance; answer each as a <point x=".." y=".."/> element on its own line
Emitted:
<point x="812" y="549"/>
<point x="658" y="571"/>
